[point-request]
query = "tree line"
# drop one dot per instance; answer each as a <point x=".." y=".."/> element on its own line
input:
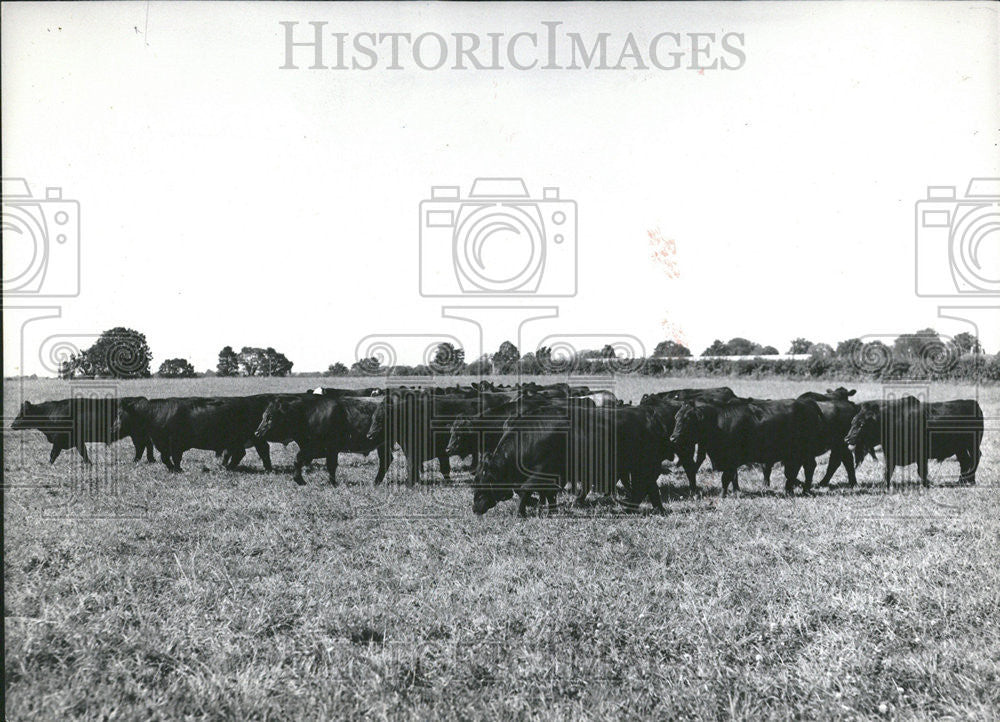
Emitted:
<point x="124" y="353"/>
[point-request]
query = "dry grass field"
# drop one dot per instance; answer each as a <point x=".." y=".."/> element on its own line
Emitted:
<point x="131" y="592"/>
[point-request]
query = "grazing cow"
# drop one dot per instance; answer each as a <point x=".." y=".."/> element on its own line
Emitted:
<point x="473" y="434"/>
<point x="318" y="424"/>
<point x="746" y="431"/>
<point x="69" y="423"/>
<point x="544" y="449"/>
<point x="540" y="455"/>
<point x="224" y="424"/>
<point x="912" y="432"/>
<point x="420" y="423"/>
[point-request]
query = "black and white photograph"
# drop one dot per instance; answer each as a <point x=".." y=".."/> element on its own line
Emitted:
<point x="454" y="360"/>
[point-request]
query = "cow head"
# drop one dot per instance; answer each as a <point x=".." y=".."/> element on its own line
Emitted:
<point x="462" y="441"/>
<point x="488" y="491"/>
<point x="865" y="432"/>
<point x="686" y="425"/>
<point x="22" y="420"/>
<point x="126" y="421"/>
<point x="840" y="393"/>
<point x="278" y="422"/>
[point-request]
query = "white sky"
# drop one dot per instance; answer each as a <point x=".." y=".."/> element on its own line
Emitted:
<point x="226" y="201"/>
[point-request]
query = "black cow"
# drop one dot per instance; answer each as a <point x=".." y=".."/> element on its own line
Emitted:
<point x="693" y="456"/>
<point x="912" y="432"/>
<point x="747" y="431"/>
<point x="837" y="413"/>
<point x="837" y="394"/>
<point x="225" y="425"/>
<point x="318" y="424"/>
<point x="69" y="423"/>
<point x="547" y="447"/>
<point x="541" y="455"/>
<point x="419" y="422"/>
<point x="718" y="395"/>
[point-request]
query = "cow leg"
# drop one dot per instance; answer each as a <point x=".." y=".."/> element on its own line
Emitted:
<point x="445" y="464"/>
<point x="54" y="452"/>
<point x="176" y="458"/>
<point x="139" y="448"/>
<point x="889" y="467"/>
<point x="82" y="448"/>
<point x="165" y="456"/>
<point x="791" y="477"/>
<point x="727" y="476"/>
<point x="150" y="459"/>
<point x="922" y="472"/>
<point x="383" y="463"/>
<point x="767" y="474"/>
<point x="653" y="493"/>
<point x="967" y="467"/>
<point x="331" y="467"/>
<point x="301" y="459"/>
<point x="690" y="469"/>
<point x="235" y="456"/>
<point x="264" y="452"/>
<point x="848" y="461"/>
<point x="809" y="467"/>
<point x="831" y="466"/>
<point x="474" y="461"/>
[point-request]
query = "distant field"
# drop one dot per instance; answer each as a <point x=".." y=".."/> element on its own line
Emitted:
<point x="133" y="592"/>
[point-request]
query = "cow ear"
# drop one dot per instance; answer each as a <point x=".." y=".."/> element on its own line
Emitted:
<point x="852" y="392"/>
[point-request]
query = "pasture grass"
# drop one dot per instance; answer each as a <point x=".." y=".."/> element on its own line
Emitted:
<point x="133" y="592"/>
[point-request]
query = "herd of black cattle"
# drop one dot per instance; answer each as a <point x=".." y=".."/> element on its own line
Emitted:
<point x="530" y="439"/>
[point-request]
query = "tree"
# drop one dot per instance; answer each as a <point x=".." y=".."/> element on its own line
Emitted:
<point x="741" y="347"/>
<point x="277" y="363"/>
<point x="366" y="367"/>
<point x="120" y="353"/>
<point x="965" y="342"/>
<point x="448" y="359"/>
<point x="337" y="369"/>
<point x="850" y="347"/>
<point x="506" y="358"/>
<point x="821" y="350"/>
<point x="671" y="349"/>
<point x="768" y="351"/>
<point x="800" y="345"/>
<point x="255" y="361"/>
<point x="910" y="345"/>
<point x="718" y="348"/>
<point x="176" y="368"/>
<point x="229" y="363"/>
